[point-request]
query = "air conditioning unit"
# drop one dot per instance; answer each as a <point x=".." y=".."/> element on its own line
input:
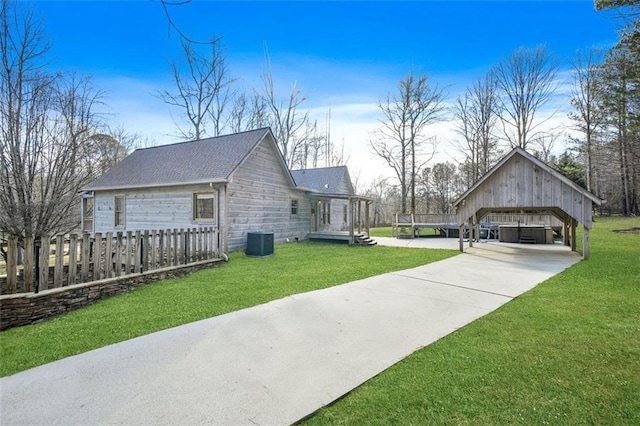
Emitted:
<point x="259" y="244"/>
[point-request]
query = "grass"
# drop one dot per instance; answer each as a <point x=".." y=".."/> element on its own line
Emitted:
<point x="385" y="231"/>
<point x="567" y="352"/>
<point x="241" y="283"/>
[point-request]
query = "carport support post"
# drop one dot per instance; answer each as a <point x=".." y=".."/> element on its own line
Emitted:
<point x="460" y="232"/>
<point x="585" y="242"/>
<point x="472" y="227"/>
<point x="574" y="223"/>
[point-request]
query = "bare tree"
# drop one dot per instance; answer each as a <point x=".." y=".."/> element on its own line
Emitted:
<point x="401" y="137"/>
<point x="248" y="112"/>
<point x="587" y="99"/>
<point x="527" y="81"/>
<point x="443" y="185"/>
<point x="105" y="149"/>
<point x="288" y="120"/>
<point x="476" y="124"/>
<point x="45" y="123"/>
<point x="202" y="90"/>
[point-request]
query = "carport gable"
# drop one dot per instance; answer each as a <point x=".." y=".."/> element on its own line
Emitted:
<point x="522" y="183"/>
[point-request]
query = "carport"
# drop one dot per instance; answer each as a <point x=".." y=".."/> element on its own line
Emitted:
<point x="521" y="183"/>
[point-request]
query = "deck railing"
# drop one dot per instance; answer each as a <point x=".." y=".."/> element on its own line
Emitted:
<point x="74" y="259"/>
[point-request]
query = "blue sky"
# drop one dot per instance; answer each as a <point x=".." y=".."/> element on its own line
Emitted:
<point x="343" y="54"/>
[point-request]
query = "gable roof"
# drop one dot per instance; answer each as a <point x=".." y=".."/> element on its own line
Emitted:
<point x="519" y="151"/>
<point x="325" y="180"/>
<point x="200" y="161"/>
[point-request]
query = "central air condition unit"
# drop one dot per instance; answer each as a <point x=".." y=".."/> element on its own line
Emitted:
<point x="259" y="244"/>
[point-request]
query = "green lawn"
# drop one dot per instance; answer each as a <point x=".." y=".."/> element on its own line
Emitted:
<point x="241" y="283"/>
<point x="567" y="352"/>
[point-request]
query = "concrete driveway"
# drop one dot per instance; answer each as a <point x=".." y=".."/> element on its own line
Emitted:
<point x="276" y="363"/>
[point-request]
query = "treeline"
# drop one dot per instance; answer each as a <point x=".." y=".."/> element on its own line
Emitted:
<point x="513" y="105"/>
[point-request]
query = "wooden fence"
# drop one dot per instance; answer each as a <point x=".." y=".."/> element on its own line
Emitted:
<point x="85" y="258"/>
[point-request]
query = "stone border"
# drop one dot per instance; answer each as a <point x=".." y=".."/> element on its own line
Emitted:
<point x="29" y="308"/>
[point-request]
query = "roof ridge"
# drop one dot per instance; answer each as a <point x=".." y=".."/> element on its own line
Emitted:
<point x="203" y="139"/>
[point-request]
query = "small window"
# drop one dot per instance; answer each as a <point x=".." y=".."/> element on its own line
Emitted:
<point x="345" y="214"/>
<point x="204" y="207"/>
<point x="294" y="207"/>
<point x="119" y="211"/>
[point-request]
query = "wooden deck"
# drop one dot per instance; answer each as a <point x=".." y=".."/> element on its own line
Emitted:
<point x="330" y="235"/>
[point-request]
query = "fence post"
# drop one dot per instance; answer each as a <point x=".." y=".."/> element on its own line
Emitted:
<point x="118" y="257"/>
<point x="138" y="252"/>
<point x="73" y="261"/>
<point x="152" y="247"/>
<point x="43" y="278"/>
<point x="175" y="249"/>
<point x="58" y="273"/>
<point x="97" y="255"/>
<point x="161" y="248"/>
<point x="27" y="275"/>
<point x="12" y="265"/>
<point x="145" y="251"/>
<point x="108" y="255"/>
<point x="193" y="249"/>
<point x="128" y="253"/>
<point x="86" y="256"/>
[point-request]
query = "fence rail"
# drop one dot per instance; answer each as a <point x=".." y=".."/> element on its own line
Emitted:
<point x="85" y="258"/>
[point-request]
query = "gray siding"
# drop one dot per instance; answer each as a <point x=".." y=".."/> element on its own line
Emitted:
<point x="520" y="183"/>
<point x="259" y="199"/>
<point x="152" y="208"/>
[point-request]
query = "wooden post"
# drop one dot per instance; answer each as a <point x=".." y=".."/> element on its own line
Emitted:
<point x="138" y="253"/>
<point x="12" y="265"/>
<point x="27" y="275"/>
<point x="73" y="258"/>
<point x="472" y="226"/>
<point x="175" y="249"/>
<point x="461" y="235"/>
<point x="97" y="256"/>
<point x="574" y="224"/>
<point x="43" y="279"/>
<point x="86" y="256"/>
<point x="145" y="251"/>
<point x="153" y="248"/>
<point x="58" y="272"/>
<point x="585" y="243"/>
<point x="108" y="256"/>
<point x="194" y="244"/>
<point x="118" y="254"/>
<point x="161" y="248"/>
<point x="128" y="252"/>
<point x="184" y="246"/>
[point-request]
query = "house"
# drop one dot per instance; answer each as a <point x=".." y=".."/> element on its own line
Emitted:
<point x="521" y="183"/>
<point x="237" y="183"/>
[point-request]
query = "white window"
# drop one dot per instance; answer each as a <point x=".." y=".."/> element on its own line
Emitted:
<point x="294" y="207"/>
<point x="204" y="207"/>
<point x="119" y="203"/>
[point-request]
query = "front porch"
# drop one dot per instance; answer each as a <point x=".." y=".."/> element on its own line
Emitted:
<point x="340" y="217"/>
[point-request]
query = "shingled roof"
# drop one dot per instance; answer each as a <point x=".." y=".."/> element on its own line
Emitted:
<point x="324" y="180"/>
<point x="204" y="160"/>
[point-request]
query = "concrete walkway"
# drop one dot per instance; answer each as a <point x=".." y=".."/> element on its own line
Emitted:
<point x="276" y="363"/>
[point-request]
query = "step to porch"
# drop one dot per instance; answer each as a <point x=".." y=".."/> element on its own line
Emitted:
<point x="365" y="240"/>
